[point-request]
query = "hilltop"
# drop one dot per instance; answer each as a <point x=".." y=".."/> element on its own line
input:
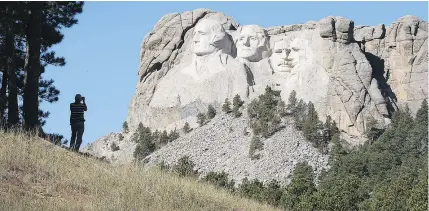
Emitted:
<point x="37" y="175"/>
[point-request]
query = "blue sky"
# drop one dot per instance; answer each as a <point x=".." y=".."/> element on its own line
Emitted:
<point x="102" y="51"/>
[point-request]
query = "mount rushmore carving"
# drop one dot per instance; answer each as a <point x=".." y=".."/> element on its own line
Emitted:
<point x="353" y="74"/>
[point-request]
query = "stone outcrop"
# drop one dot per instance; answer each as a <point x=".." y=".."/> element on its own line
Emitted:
<point x="331" y="71"/>
<point x="399" y="57"/>
<point x="337" y="67"/>
<point x="191" y="60"/>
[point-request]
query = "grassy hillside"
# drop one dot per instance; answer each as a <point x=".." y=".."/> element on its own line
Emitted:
<point x="36" y="175"/>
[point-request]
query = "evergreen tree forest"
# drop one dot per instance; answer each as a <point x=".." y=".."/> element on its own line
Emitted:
<point x="388" y="173"/>
<point x="28" y="31"/>
<point x="148" y="141"/>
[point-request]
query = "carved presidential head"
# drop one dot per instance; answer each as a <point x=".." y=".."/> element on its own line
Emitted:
<point x="251" y="42"/>
<point x="288" y="54"/>
<point x="208" y="37"/>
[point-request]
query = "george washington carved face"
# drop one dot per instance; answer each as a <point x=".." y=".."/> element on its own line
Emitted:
<point x="208" y="37"/>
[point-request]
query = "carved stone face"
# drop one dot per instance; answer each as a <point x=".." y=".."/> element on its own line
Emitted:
<point x="285" y="56"/>
<point x="251" y="43"/>
<point x="207" y="36"/>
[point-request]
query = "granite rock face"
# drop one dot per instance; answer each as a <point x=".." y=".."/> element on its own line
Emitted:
<point x="330" y="70"/>
<point x="399" y="57"/>
<point x="168" y="50"/>
<point x="335" y="65"/>
<point x="191" y="60"/>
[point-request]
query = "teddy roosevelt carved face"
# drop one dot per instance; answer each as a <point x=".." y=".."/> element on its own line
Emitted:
<point x="208" y="37"/>
<point x="251" y="43"/>
<point x="285" y="56"/>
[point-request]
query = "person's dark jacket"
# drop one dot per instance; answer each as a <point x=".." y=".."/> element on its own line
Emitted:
<point x="77" y="112"/>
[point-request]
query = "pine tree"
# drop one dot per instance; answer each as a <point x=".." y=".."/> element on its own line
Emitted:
<point x="185" y="167"/>
<point x="372" y="132"/>
<point x="418" y="136"/>
<point x="156" y="138"/>
<point x="145" y="143"/>
<point x="201" y="119"/>
<point x="255" y="144"/>
<point x="226" y="107"/>
<point x="312" y="127"/>
<point x="125" y="127"/>
<point x="43" y="25"/>
<point x="211" y="112"/>
<point x="300" y="187"/>
<point x="219" y="180"/>
<point x="173" y="135"/>
<point x="292" y="102"/>
<point x="419" y="195"/>
<point x="422" y="113"/>
<point x="265" y="113"/>
<point x="163" y="138"/>
<point x="281" y="109"/>
<point x="237" y="103"/>
<point x="10" y="27"/>
<point x="300" y="114"/>
<point x="330" y="129"/>
<point x="28" y="30"/>
<point x="186" y="128"/>
<point x="339" y="193"/>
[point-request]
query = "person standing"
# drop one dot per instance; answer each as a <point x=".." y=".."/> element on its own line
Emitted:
<point x="77" y="121"/>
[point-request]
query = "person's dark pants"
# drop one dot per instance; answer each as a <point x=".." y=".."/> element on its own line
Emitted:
<point x="77" y="132"/>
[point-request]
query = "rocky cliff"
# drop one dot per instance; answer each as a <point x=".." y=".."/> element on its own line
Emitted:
<point x="193" y="59"/>
<point x="350" y="73"/>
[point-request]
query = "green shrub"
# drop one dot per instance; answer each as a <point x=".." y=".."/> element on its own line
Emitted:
<point x="173" y="135"/>
<point x="292" y="102"/>
<point x="145" y="143"/>
<point x="125" y="127"/>
<point x="185" y="167"/>
<point x="266" y="112"/>
<point x="211" y="112"/>
<point x="255" y="144"/>
<point x="255" y="189"/>
<point x="163" y="166"/>
<point x="186" y="128"/>
<point x="300" y="188"/>
<point x="226" y="107"/>
<point x="372" y="132"/>
<point x="201" y="119"/>
<point x="237" y="103"/>
<point x="163" y="138"/>
<point x="114" y="147"/>
<point x="219" y="180"/>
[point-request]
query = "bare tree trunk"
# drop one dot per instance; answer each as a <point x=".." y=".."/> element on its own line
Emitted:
<point x="3" y="89"/>
<point x="32" y="67"/>
<point x="12" y="114"/>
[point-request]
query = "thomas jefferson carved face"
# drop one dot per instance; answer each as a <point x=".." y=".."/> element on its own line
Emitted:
<point x="285" y="55"/>
<point x="207" y="37"/>
<point x="251" y="43"/>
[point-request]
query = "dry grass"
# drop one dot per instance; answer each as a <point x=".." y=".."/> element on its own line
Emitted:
<point x="37" y="175"/>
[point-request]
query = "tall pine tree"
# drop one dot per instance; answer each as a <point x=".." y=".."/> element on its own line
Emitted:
<point x="44" y="21"/>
